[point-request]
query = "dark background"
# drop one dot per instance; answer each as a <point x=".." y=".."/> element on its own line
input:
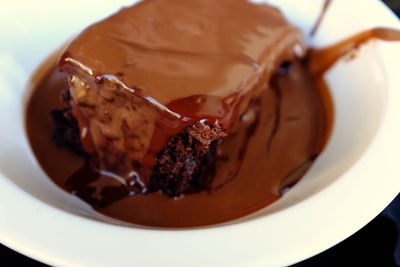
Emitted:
<point x="377" y="244"/>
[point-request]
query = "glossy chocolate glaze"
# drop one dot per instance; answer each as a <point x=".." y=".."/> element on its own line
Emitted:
<point x="257" y="161"/>
<point x="167" y="50"/>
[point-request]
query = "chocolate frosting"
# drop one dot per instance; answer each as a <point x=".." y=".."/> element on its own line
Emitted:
<point x="165" y="50"/>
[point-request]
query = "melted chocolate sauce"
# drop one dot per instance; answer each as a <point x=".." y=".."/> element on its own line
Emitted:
<point x="330" y="55"/>
<point x="248" y="177"/>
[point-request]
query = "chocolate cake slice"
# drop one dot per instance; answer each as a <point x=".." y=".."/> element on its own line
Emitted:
<point x="155" y="88"/>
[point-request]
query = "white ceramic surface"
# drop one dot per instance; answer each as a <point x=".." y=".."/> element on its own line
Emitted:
<point x="351" y="182"/>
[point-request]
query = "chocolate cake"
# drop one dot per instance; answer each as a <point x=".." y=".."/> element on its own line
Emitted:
<point x="154" y="88"/>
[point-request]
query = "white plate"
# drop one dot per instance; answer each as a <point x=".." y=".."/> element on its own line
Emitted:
<point x="352" y="181"/>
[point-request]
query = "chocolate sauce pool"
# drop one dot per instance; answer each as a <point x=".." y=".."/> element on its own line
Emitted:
<point x="284" y="131"/>
<point x="288" y="139"/>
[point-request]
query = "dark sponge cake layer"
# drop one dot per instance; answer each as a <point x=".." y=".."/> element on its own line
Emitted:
<point x="187" y="163"/>
<point x="66" y="128"/>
